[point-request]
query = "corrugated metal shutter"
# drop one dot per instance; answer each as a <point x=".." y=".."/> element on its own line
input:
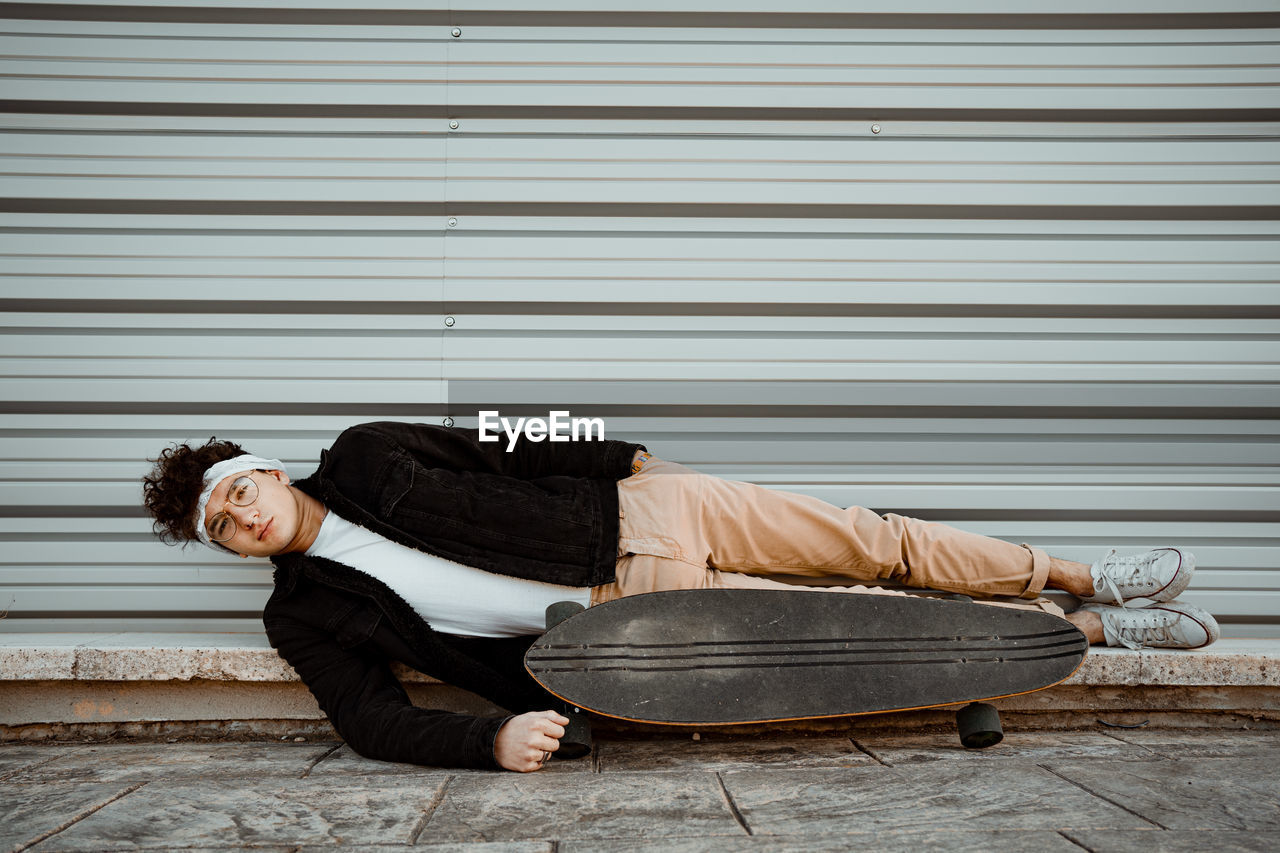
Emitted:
<point x="1013" y="268"/>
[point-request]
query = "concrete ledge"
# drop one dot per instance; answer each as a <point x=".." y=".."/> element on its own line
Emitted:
<point x="150" y="657"/>
<point x="248" y="657"/>
<point x="49" y="681"/>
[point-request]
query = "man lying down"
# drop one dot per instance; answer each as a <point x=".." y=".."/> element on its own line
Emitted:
<point x="425" y="545"/>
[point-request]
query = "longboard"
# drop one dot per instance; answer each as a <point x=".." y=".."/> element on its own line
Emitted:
<point x="718" y="657"/>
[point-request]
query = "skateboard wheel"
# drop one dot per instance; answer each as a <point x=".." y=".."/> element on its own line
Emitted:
<point x="577" y="740"/>
<point x="560" y="611"/>
<point x="979" y="725"/>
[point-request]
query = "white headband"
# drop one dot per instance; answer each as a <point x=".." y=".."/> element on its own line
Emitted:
<point x="219" y="472"/>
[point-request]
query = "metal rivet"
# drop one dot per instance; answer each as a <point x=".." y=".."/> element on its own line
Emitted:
<point x="448" y="421"/>
<point x="453" y="125"/>
<point x="456" y="32"/>
<point x="453" y="220"/>
<point x="448" y="321"/>
<point x="875" y="128"/>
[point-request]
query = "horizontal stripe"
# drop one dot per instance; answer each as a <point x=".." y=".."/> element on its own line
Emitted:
<point x="638" y="113"/>
<point x="674" y="210"/>
<point x="426" y="307"/>
<point x="665" y="19"/>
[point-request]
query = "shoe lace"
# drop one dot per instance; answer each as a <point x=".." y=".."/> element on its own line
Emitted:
<point x="1133" y="571"/>
<point x="1140" y="635"/>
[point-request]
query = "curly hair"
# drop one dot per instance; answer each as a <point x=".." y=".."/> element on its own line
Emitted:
<point x="173" y="487"/>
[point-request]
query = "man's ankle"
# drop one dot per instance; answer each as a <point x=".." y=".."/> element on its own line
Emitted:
<point x="1090" y="624"/>
<point x="1075" y="578"/>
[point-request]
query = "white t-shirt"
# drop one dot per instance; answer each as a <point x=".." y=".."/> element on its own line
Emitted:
<point x="453" y="598"/>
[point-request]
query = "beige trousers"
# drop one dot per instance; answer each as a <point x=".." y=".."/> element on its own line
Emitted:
<point x="681" y="529"/>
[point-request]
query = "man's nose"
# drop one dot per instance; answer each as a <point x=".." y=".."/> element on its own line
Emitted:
<point x="243" y="515"/>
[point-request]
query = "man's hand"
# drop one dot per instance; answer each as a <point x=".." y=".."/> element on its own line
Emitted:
<point x="526" y="741"/>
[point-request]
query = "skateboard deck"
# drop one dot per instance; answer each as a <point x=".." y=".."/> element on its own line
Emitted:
<point x="708" y="657"/>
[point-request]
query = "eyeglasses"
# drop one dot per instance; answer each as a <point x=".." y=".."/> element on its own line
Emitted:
<point x="243" y="492"/>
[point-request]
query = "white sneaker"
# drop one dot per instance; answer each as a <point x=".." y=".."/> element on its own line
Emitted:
<point x="1142" y="579"/>
<point x="1172" y="625"/>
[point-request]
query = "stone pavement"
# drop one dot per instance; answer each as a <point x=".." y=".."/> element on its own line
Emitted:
<point x="1101" y="790"/>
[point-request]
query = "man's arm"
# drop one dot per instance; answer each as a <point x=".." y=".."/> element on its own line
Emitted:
<point x="459" y="449"/>
<point x="370" y="709"/>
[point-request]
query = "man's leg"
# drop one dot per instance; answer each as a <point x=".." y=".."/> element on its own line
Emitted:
<point x="1075" y="578"/>
<point x="641" y="573"/>
<point x="1070" y="576"/>
<point x="1090" y="624"/>
<point x="673" y="511"/>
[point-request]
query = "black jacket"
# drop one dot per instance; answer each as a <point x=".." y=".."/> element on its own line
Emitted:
<point x="545" y="511"/>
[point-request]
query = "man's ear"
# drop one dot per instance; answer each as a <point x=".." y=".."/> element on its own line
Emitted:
<point x="281" y="476"/>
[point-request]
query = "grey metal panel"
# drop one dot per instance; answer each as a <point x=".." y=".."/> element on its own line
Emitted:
<point x="868" y="171"/>
<point x="817" y="77"/>
<point x="1039" y="303"/>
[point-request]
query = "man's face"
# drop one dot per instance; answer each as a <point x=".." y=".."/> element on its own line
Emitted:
<point x="264" y="527"/>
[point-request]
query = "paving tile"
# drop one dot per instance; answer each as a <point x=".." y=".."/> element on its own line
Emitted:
<point x="1021" y="746"/>
<point x="947" y="796"/>
<point x="51" y="846"/>
<point x="514" y="806"/>
<point x="687" y="755"/>
<point x="959" y="841"/>
<point x="1176" y="841"/>
<point x="346" y="762"/>
<point x="1111" y="792"/>
<point x="1192" y="793"/>
<point x="251" y="812"/>
<point x="29" y="811"/>
<point x="143" y="762"/>
<point x="18" y="756"/>
<point x="456" y="847"/>
<point x="571" y="766"/>
<point x="1180" y="743"/>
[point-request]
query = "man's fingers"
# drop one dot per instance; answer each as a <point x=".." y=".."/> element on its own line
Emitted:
<point x="551" y="729"/>
<point x="538" y="757"/>
<point x="534" y="759"/>
<point x="553" y="719"/>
